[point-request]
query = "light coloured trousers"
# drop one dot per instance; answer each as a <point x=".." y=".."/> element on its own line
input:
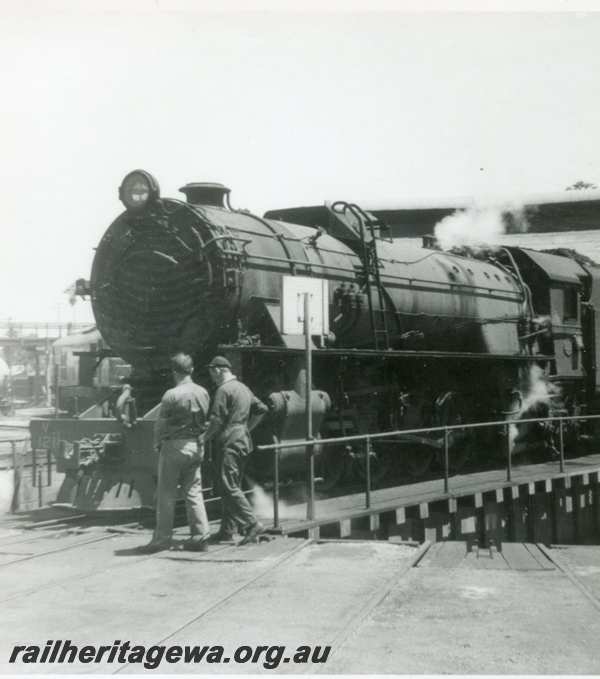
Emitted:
<point x="179" y="465"/>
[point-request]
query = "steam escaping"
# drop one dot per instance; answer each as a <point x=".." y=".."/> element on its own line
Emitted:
<point x="263" y="506"/>
<point x="472" y="227"/>
<point x="539" y="392"/>
<point x="480" y="226"/>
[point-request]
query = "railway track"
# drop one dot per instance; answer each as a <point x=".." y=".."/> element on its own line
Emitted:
<point x="203" y="590"/>
<point x="554" y="555"/>
<point x="221" y="603"/>
<point x="37" y="540"/>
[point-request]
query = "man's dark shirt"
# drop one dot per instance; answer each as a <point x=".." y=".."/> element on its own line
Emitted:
<point x="232" y="407"/>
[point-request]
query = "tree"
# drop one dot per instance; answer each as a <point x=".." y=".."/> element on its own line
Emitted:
<point x="581" y="186"/>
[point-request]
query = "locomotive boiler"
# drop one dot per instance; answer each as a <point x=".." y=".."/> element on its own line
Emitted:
<point x="419" y="337"/>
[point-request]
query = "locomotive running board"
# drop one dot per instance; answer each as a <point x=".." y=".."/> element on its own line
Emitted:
<point x="388" y="353"/>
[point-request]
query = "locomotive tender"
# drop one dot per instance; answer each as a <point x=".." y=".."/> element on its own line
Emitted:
<point x="419" y="337"/>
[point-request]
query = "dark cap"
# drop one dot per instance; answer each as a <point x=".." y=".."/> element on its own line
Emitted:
<point x="219" y="362"/>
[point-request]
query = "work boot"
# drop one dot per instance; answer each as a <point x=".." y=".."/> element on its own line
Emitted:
<point x="221" y="536"/>
<point x="197" y="543"/>
<point x="252" y="534"/>
<point x="153" y="547"/>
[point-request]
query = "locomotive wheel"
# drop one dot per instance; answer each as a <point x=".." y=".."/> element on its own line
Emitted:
<point x="382" y="464"/>
<point x="450" y="410"/>
<point x="331" y="467"/>
<point x="417" y="459"/>
<point x="460" y="450"/>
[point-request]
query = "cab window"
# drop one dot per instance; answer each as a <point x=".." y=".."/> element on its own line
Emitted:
<point x="571" y="298"/>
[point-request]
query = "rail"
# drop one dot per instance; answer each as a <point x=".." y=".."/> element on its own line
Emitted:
<point x="309" y="444"/>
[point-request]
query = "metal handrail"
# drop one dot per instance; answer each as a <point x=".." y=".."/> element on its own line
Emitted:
<point x="276" y="448"/>
<point x="400" y="432"/>
<point x="36" y="469"/>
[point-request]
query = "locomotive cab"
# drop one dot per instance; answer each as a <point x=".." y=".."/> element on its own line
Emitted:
<point x="557" y="287"/>
<point x="591" y="326"/>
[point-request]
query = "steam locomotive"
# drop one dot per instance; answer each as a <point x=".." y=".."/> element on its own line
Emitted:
<point x="419" y="337"/>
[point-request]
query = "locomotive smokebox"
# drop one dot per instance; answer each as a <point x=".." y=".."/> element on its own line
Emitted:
<point x="206" y="193"/>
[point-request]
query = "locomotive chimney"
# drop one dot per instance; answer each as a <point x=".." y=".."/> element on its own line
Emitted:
<point x="430" y="242"/>
<point x="206" y="193"/>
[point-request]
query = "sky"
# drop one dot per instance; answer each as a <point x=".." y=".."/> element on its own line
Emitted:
<point x="285" y="107"/>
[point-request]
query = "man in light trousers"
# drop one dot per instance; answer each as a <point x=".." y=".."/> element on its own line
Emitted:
<point x="180" y="423"/>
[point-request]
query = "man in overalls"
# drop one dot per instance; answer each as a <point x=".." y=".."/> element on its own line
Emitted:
<point x="180" y="423"/>
<point x="235" y="412"/>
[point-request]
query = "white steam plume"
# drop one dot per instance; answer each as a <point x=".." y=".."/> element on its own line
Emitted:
<point x="479" y="226"/>
<point x="539" y="391"/>
<point x="263" y="506"/>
